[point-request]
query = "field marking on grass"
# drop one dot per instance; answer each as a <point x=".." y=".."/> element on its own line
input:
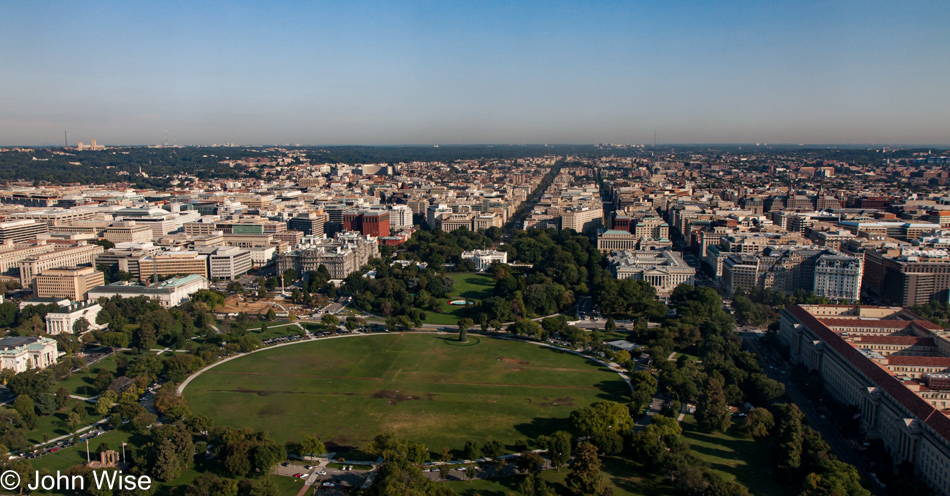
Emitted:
<point x="610" y="365"/>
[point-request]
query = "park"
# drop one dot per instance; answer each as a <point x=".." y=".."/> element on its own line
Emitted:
<point x="425" y="388"/>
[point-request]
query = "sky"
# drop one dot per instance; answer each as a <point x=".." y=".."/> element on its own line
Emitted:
<point x="475" y="72"/>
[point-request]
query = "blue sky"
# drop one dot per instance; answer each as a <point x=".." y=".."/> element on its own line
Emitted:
<point x="475" y="72"/>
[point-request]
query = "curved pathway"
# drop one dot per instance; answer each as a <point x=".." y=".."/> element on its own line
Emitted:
<point x="612" y="366"/>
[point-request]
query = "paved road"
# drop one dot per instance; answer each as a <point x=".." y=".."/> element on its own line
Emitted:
<point x="655" y="406"/>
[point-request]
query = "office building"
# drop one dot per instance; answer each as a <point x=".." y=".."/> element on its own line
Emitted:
<point x="68" y="282"/>
<point x="891" y="365"/>
<point x="21" y="231"/>
<point x="128" y="232"/>
<point x="73" y="256"/>
<point x="173" y="263"/>
<point x="310" y="224"/>
<point x="229" y="262"/>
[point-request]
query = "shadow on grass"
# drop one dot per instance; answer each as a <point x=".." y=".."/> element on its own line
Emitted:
<point x="751" y="462"/>
<point x="540" y="426"/>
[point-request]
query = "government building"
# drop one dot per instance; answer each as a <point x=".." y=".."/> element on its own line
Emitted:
<point x="893" y="366"/>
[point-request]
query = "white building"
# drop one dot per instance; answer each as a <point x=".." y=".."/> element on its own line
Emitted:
<point x="168" y="294"/>
<point x="229" y="263"/>
<point x="436" y="212"/>
<point x="63" y="319"/>
<point x="400" y="217"/>
<point x="664" y="270"/>
<point x="484" y="258"/>
<point x="838" y="277"/>
<point x="23" y="353"/>
<point x="262" y="255"/>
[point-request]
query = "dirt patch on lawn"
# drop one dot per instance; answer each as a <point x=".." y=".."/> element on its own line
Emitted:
<point x="512" y="360"/>
<point x="399" y="396"/>
<point x="271" y="411"/>
<point x="233" y="304"/>
<point x="565" y="401"/>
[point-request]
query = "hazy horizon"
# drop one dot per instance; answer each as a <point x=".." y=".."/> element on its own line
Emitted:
<point x="424" y="73"/>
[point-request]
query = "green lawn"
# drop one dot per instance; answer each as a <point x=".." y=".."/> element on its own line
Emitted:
<point x="274" y="329"/>
<point x="55" y="424"/>
<point x="80" y="383"/>
<point x="423" y="388"/>
<point x="468" y="286"/>
<point x="625" y="477"/>
<point x="736" y="456"/>
<point x="472" y="286"/>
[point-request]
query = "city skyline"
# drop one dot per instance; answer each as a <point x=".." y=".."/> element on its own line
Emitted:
<point x="426" y="73"/>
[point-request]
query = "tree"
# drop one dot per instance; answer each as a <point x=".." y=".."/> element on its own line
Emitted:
<point x="493" y="449"/>
<point x="234" y="287"/>
<point x="266" y="487"/>
<point x="464" y="325"/>
<point x="472" y="451"/>
<point x="644" y="387"/>
<point x="267" y="455"/>
<point x="712" y="413"/>
<point x="73" y="421"/>
<point x="622" y="357"/>
<point x="209" y="297"/>
<point x="689" y="479"/>
<point x="417" y="453"/>
<point x="23" y="404"/>
<point x="33" y="326"/>
<point x="167" y="465"/>
<point x="584" y="477"/>
<point x="262" y="293"/>
<point x="559" y="449"/>
<point x="791" y="436"/>
<point x="62" y="397"/>
<point x="45" y="404"/>
<point x="533" y="486"/>
<point x="601" y="416"/>
<point x="9" y="419"/>
<point x="104" y="402"/>
<point x="759" y="423"/>
<point x="330" y="320"/>
<point x="610" y="326"/>
<point x="530" y="462"/>
<point x="470" y="472"/>
<point x="767" y="389"/>
<point x="312" y="446"/>
<point x="834" y="478"/>
<point x="80" y="326"/>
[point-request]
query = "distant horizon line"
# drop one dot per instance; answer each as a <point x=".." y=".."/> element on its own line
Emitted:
<point x="437" y="145"/>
